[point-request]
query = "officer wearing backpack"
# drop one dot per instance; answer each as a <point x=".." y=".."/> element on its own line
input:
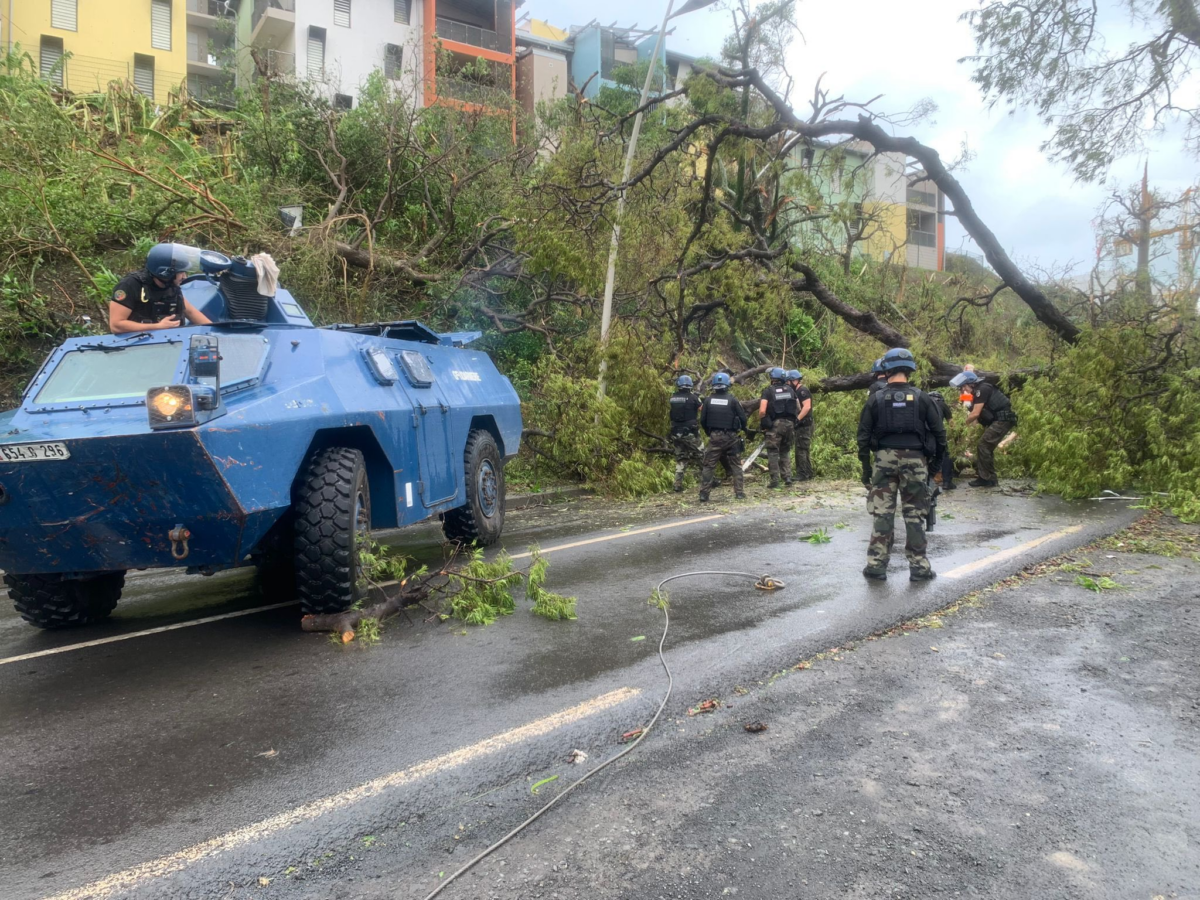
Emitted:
<point x="685" y="427"/>
<point x="993" y="410"/>
<point x="777" y="410"/>
<point x="722" y="418"/>
<point x="900" y="432"/>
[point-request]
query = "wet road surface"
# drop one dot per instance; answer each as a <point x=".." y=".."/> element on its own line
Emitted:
<point x="152" y="751"/>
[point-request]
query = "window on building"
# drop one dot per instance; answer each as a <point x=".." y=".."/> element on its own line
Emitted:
<point x="393" y="56"/>
<point x="922" y="228"/>
<point x="341" y="13"/>
<point x="403" y="10"/>
<point x="64" y="14"/>
<point x="143" y="74"/>
<point x="343" y="101"/>
<point x="160" y="24"/>
<point x="50" y="60"/>
<point x="316" y="53"/>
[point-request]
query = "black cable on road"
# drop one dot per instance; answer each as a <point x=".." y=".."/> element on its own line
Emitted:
<point x="762" y="582"/>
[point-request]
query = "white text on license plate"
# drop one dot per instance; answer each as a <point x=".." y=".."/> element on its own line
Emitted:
<point x="33" y="452"/>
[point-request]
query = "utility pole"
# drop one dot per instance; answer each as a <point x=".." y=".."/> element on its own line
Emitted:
<point x="610" y="280"/>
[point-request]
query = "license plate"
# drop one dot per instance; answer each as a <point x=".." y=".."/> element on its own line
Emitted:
<point x="33" y="452"/>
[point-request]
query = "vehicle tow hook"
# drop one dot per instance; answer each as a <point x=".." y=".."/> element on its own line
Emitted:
<point x="178" y="536"/>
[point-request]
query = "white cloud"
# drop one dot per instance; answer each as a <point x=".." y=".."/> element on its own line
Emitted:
<point x="908" y="52"/>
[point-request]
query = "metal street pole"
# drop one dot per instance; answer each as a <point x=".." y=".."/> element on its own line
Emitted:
<point x="610" y="281"/>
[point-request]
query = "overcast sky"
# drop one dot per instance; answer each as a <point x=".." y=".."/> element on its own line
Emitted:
<point x="881" y="47"/>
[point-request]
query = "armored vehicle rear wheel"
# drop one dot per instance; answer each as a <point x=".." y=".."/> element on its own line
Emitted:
<point x="481" y="519"/>
<point x="333" y="519"/>
<point x="52" y="602"/>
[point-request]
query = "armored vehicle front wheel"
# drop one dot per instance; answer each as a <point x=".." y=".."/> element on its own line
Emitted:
<point x="333" y="520"/>
<point x="52" y="601"/>
<point x="481" y="519"/>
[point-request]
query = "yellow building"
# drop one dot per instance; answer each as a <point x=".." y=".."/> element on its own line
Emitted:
<point x="84" y="45"/>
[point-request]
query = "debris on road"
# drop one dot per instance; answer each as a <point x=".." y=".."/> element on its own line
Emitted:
<point x="577" y="758"/>
<point x="630" y="736"/>
<point x="705" y="706"/>
<point x="755" y="727"/>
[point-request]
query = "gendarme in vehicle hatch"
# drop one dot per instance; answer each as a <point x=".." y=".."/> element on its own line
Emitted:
<point x="257" y="440"/>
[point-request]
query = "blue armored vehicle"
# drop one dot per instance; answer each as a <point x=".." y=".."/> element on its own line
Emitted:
<point x="257" y="440"/>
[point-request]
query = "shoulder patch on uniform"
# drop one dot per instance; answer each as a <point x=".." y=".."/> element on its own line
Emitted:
<point x="118" y="296"/>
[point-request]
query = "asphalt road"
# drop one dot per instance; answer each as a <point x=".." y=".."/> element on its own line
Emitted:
<point x="189" y="761"/>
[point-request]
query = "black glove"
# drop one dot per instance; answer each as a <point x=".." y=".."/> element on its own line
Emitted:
<point x="865" y="458"/>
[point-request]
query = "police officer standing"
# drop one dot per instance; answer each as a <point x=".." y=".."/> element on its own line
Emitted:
<point x="992" y="409"/>
<point x="151" y="300"/>
<point x="804" y="425"/>
<point x="685" y="427"/>
<point x="900" y="432"/>
<point x="722" y="418"/>
<point x="880" y="378"/>
<point x="777" y="410"/>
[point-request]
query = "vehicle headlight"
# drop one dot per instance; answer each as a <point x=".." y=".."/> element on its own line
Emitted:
<point x="171" y="407"/>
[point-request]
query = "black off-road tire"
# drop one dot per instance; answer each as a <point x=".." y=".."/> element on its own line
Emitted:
<point x="481" y="519"/>
<point x="333" y="518"/>
<point x="54" y="602"/>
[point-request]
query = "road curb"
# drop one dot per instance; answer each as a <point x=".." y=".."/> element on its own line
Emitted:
<point x="545" y="498"/>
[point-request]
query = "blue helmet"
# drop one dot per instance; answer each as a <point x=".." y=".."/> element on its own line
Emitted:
<point x="877" y="366"/>
<point x="164" y="261"/>
<point x="794" y="375"/>
<point x="720" y="381"/>
<point x="898" y="359"/>
<point x="963" y="378"/>
<point x="777" y="374"/>
<point x="684" y="382"/>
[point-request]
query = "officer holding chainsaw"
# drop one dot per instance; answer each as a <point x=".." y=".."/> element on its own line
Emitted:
<point x="778" y="412"/>
<point x="900" y="432"/>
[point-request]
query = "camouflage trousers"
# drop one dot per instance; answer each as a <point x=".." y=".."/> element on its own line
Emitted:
<point x="686" y="445"/>
<point x="723" y="446"/>
<point x="779" y="438"/>
<point x="903" y="472"/>
<point x="985" y="453"/>
<point x="804" y="439"/>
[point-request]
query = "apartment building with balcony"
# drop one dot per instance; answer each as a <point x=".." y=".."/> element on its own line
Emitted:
<point x="551" y="60"/>
<point x="84" y="45"/>
<point x="900" y="215"/>
<point x="470" y="53"/>
<point x="333" y="44"/>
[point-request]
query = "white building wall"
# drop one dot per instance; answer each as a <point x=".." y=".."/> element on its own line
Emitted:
<point x="351" y="54"/>
<point x="889" y="182"/>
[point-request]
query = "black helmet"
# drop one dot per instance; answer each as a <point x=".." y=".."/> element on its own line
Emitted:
<point x="899" y="359"/>
<point x="165" y="261"/>
<point x="684" y="382"/>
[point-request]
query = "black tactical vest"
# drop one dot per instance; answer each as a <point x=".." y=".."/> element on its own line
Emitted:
<point x="783" y="402"/>
<point x="720" y="415"/>
<point x="899" y="424"/>
<point x="684" y="408"/>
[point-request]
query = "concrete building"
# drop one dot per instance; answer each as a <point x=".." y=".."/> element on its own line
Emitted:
<point x="333" y="44"/>
<point x="83" y="45"/>
<point x="892" y="213"/>
<point x="550" y="61"/>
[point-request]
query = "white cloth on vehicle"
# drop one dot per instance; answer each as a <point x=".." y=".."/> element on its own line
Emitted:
<point x="268" y="273"/>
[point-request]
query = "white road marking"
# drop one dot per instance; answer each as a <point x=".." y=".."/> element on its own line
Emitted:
<point x="968" y="568"/>
<point x="177" y="862"/>
<point x="246" y="612"/>
<point x="624" y="534"/>
<point x="133" y="634"/>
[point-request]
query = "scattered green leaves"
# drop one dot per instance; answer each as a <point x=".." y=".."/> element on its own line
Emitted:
<point x="1103" y="583"/>
<point x="820" y="536"/>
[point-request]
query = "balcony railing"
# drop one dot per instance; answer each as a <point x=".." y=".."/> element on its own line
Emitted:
<point x="207" y="7"/>
<point x="922" y="198"/>
<point x="473" y="92"/>
<point x="461" y="33"/>
<point x="211" y="91"/>
<point x="261" y="7"/>
<point x="280" y="63"/>
<point x="922" y="238"/>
